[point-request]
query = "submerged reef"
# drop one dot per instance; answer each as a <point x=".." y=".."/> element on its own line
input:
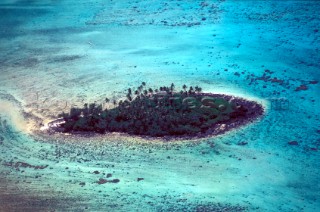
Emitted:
<point x="162" y="112"/>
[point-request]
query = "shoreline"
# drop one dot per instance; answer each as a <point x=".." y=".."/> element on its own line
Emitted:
<point x="256" y="111"/>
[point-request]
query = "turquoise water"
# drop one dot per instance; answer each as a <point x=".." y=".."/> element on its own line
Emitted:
<point x="55" y="54"/>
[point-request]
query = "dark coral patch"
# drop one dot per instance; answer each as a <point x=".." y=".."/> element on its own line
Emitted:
<point x="301" y="88"/>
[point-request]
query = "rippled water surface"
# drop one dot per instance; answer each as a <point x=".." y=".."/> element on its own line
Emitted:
<point x="59" y="54"/>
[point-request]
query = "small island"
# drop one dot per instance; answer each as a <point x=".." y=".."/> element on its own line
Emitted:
<point x="164" y="112"/>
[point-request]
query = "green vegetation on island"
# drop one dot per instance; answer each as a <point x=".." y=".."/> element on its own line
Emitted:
<point x="157" y="113"/>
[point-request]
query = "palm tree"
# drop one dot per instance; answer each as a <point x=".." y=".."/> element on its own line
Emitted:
<point x="184" y="87"/>
<point x="150" y="91"/>
<point x="172" y="87"/>
<point x="190" y="89"/>
<point x="198" y="89"/>
<point x="85" y="110"/>
<point x="107" y="101"/>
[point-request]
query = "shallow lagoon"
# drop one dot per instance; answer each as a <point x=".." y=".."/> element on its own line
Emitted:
<point x="58" y="54"/>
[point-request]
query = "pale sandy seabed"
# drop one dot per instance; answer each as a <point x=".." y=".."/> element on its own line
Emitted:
<point x="55" y="54"/>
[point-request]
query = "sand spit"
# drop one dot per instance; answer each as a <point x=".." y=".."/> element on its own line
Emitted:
<point x="45" y="128"/>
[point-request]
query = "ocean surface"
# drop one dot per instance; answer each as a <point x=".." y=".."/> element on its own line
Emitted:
<point x="59" y="54"/>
